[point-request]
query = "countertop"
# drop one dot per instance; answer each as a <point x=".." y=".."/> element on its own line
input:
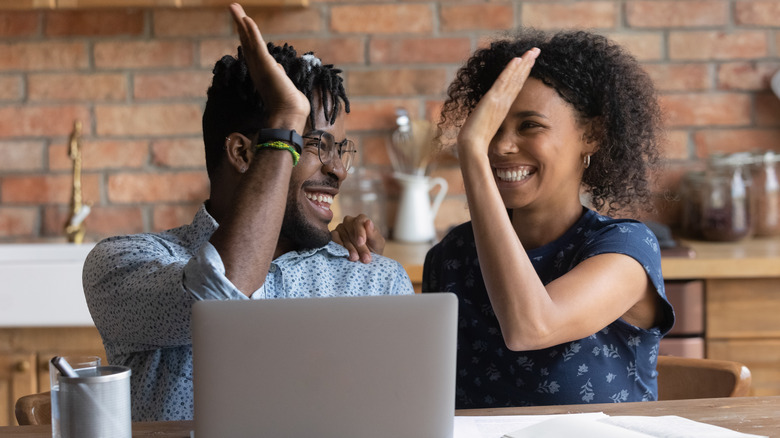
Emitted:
<point x="751" y="258"/>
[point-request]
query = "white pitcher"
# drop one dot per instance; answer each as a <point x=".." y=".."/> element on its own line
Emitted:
<point x="414" y="220"/>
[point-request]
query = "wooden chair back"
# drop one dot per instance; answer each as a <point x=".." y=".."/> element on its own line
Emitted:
<point x="686" y="378"/>
<point x="34" y="409"/>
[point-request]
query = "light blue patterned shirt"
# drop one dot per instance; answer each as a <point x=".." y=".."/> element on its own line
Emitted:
<point x="140" y="289"/>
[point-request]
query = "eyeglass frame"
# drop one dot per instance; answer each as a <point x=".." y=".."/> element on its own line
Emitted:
<point x="340" y="148"/>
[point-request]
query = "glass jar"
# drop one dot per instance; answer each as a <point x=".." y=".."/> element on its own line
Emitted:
<point x="691" y="193"/>
<point x="363" y="193"/>
<point x="767" y="194"/>
<point x="725" y="198"/>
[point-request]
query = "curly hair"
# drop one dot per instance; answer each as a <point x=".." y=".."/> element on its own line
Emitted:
<point x="609" y="92"/>
<point x="233" y="104"/>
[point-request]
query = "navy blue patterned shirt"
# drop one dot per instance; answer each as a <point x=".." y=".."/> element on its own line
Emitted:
<point x="616" y="364"/>
<point x="140" y="290"/>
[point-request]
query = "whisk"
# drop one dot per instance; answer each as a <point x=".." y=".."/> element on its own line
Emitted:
<point x="412" y="144"/>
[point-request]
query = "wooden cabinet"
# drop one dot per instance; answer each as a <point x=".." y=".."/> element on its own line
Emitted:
<point x="743" y="324"/>
<point x="25" y="355"/>
<point x="17" y="378"/>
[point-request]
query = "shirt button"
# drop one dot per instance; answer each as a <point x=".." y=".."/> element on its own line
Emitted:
<point x="272" y="269"/>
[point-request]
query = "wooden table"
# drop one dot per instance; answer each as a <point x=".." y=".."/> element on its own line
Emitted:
<point x="755" y="415"/>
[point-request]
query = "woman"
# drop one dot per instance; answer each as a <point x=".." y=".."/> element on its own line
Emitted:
<point x="558" y="304"/>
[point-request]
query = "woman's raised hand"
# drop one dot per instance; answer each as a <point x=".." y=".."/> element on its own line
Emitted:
<point x="483" y="122"/>
<point x="285" y="106"/>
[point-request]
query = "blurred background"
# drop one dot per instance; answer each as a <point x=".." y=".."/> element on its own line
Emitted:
<point x="136" y="79"/>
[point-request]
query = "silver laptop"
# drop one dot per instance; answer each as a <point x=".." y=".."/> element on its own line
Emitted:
<point x="379" y="366"/>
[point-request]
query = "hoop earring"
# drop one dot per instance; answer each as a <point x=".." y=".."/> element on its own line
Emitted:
<point x="586" y="161"/>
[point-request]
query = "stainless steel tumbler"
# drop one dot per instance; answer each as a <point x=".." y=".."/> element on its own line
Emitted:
<point x="96" y="403"/>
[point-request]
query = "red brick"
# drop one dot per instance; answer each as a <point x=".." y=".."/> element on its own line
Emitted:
<point x="645" y="46"/>
<point x="374" y="150"/>
<point x="101" y="154"/>
<point x="454" y="179"/>
<point x="192" y="22"/>
<point x="18" y="221"/>
<point x="478" y="16"/>
<point x="397" y="82"/>
<point x="338" y="50"/>
<point x="47" y="189"/>
<point x="666" y="14"/>
<point x="675" y="146"/>
<point x="162" y="187"/>
<point x="385" y="18"/>
<point x="756" y="13"/>
<point x="679" y="77"/>
<point x="48" y="55"/>
<point x="706" y="45"/>
<point x="591" y="14"/>
<point x="102" y="221"/>
<point x="21" y="156"/>
<point x="767" y="110"/>
<point x="176" y="84"/>
<point x="454" y="210"/>
<point x="36" y="121"/>
<point x="18" y="24"/>
<point x="710" y="141"/>
<point x="418" y="50"/>
<point x="179" y="153"/>
<point x="11" y="88"/>
<point x="748" y="76"/>
<point x="706" y="110"/>
<point x="286" y="20"/>
<point x="140" y="120"/>
<point x="143" y="54"/>
<point x="94" y="23"/>
<point x="75" y="86"/>
<point x="369" y="115"/>
<point x="212" y="50"/>
<point x="165" y="217"/>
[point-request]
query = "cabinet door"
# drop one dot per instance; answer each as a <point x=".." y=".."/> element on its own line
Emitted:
<point x="761" y="356"/>
<point x="743" y="308"/>
<point x="17" y="378"/>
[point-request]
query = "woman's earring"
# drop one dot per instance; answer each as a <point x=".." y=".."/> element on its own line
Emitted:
<point x="243" y="169"/>
<point x="586" y="161"/>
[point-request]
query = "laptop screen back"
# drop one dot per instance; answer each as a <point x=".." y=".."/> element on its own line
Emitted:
<point x="380" y="366"/>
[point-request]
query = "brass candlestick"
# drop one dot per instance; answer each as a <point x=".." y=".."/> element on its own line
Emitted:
<point x="75" y="228"/>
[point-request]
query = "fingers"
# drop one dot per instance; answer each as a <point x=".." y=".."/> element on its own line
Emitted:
<point x="360" y="237"/>
<point x="513" y="77"/>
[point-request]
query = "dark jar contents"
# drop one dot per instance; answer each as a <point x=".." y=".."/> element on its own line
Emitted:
<point x="767" y="194"/>
<point x="725" y="199"/>
<point x="691" y="194"/>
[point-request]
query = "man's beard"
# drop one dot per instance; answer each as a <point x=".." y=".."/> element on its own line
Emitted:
<point x="301" y="233"/>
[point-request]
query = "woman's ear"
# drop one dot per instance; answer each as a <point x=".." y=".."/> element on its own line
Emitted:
<point x="237" y="151"/>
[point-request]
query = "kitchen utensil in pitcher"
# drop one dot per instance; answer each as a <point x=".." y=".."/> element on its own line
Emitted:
<point x="416" y="212"/>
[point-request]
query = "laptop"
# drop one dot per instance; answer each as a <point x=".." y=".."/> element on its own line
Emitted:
<point x="376" y="366"/>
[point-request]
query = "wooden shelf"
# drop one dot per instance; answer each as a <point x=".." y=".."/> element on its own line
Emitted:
<point x="85" y="4"/>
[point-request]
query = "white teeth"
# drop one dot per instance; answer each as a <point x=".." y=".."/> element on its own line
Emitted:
<point x="512" y="175"/>
<point x="320" y="198"/>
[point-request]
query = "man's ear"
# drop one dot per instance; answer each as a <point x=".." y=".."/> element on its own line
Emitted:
<point x="237" y="151"/>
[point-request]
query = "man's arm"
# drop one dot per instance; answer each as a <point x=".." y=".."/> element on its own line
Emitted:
<point x="246" y="239"/>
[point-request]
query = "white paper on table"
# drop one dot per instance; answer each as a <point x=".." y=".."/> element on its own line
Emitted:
<point x="499" y="425"/>
<point x="670" y="426"/>
<point x="673" y="426"/>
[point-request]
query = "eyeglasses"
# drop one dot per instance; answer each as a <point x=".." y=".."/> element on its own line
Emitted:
<point x="327" y="148"/>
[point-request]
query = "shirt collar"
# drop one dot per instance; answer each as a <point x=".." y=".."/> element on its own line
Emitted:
<point x="332" y="248"/>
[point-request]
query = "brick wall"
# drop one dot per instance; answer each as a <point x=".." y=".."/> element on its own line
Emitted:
<point x="136" y="79"/>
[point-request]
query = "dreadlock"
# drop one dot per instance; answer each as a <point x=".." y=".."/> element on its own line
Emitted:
<point x="233" y="104"/>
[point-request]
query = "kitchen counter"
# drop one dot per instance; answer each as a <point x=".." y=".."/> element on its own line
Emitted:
<point x="752" y="258"/>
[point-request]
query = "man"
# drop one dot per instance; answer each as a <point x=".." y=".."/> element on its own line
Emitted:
<point x="263" y="233"/>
